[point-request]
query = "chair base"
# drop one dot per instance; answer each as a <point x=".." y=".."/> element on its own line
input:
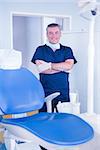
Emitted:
<point x="31" y="141"/>
<point x="13" y="143"/>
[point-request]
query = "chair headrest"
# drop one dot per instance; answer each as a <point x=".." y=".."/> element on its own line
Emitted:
<point x="20" y="91"/>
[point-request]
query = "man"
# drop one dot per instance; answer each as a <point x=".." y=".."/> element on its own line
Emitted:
<point x="54" y="62"/>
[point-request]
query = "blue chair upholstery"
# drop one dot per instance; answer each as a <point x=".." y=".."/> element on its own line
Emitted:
<point x="20" y="92"/>
<point x="62" y="129"/>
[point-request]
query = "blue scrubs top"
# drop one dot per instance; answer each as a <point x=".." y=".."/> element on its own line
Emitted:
<point x="57" y="82"/>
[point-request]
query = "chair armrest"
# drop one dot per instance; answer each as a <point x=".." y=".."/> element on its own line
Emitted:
<point x="49" y="99"/>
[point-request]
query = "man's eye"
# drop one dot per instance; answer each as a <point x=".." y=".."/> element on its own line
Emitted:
<point x="57" y="32"/>
<point x="50" y="33"/>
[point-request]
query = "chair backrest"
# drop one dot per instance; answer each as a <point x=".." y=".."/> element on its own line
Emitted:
<point x="20" y="91"/>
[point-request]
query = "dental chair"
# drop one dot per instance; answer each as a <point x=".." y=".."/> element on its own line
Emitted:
<point x="21" y="92"/>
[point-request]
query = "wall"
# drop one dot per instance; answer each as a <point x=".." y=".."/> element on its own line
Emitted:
<point x="34" y="35"/>
<point x="78" y="77"/>
<point x="26" y="35"/>
<point x="5" y="32"/>
<point x="20" y="42"/>
<point x="7" y="8"/>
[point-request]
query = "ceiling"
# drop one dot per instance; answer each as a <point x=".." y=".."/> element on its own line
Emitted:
<point x="42" y="1"/>
<point x="39" y="1"/>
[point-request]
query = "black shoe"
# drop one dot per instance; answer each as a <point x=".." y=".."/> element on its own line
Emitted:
<point x="42" y="148"/>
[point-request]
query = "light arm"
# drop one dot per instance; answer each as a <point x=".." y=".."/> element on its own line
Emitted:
<point x="50" y="68"/>
<point x="63" y="66"/>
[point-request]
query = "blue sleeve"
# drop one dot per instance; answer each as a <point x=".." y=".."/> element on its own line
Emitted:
<point x="37" y="55"/>
<point x="69" y="54"/>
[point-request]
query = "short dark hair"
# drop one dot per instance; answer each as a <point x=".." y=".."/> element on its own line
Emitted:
<point x="53" y="25"/>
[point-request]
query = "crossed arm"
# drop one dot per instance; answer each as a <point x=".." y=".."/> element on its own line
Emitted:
<point x="55" y="67"/>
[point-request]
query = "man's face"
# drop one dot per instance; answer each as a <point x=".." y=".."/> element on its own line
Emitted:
<point x="53" y="34"/>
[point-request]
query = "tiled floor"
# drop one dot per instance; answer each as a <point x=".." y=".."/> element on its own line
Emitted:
<point x="94" y="144"/>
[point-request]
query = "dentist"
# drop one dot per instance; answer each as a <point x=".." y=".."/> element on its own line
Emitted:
<point x="54" y="61"/>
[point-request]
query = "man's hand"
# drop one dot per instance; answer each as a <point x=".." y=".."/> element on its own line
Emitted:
<point x="38" y="62"/>
<point x="43" y="65"/>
